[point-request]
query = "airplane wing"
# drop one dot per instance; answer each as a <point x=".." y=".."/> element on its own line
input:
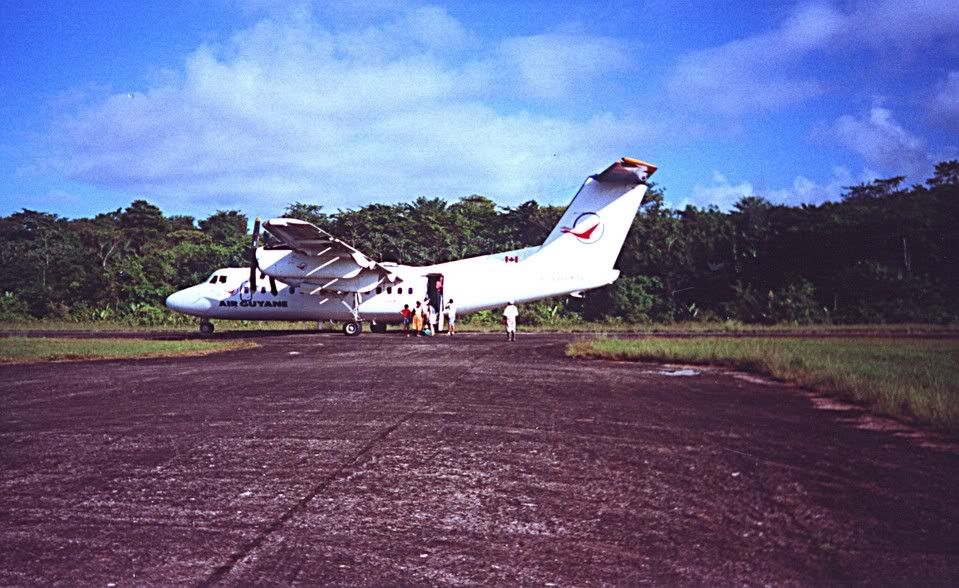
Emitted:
<point x="320" y="259"/>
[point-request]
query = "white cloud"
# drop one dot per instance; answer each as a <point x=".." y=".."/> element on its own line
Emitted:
<point x="424" y="29"/>
<point x="720" y="192"/>
<point x="55" y="197"/>
<point x="753" y="73"/>
<point x="288" y="110"/>
<point x="764" y="72"/>
<point x="944" y="106"/>
<point x="555" y="64"/>
<point x="808" y="191"/>
<point x="906" y="25"/>
<point x="882" y="142"/>
<point x="723" y="193"/>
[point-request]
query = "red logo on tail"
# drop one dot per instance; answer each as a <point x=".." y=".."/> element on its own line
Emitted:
<point x="587" y="228"/>
<point x="583" y="234"/>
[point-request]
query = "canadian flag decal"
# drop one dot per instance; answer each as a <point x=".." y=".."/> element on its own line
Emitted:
<point x="513" y="259"/>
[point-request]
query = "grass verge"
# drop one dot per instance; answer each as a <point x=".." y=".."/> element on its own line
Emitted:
<point x="915" y="378"/>
<point x="469" y="325"/>
<point x="127" y="327"/>
<point x="32" y="349"/>
<point x="717" y="327"/>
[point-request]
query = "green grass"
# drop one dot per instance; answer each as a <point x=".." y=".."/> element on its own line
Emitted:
<point x="32" y="349"/>
<point x="716" y="327"/>
<point x="108" y="326"/>
<point x="466" y="325"/>
<point x="912" y="378"/>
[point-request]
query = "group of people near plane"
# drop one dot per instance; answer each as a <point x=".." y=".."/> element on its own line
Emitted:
<point x="423" y="318"/>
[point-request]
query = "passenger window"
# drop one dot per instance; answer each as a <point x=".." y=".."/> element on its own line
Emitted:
<point x="262" y="289"/>
<point x="410" y="291"/>
<point x="379" y="290"/>
<point x="389" y="290"/>
<point x="292" y="289"/>
<point x="246" y="290"/>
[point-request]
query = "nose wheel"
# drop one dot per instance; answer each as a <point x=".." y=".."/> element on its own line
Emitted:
<point x="352" y="328"/>
<point x="206" y="328"/>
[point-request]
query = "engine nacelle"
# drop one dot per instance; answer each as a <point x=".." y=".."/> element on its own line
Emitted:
<point x="335" y="271"/>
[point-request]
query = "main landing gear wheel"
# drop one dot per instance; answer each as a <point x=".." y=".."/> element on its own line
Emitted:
<point x="206" y="328"/>
<point x="352" y="329"/>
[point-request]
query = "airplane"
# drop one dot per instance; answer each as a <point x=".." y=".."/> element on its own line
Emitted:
<point x="312" y="275"/>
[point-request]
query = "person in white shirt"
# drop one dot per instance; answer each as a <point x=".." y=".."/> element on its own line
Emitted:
<point x="432" y="317"/>
<point x="509" y="318"/>
<point x="451" y="317"/>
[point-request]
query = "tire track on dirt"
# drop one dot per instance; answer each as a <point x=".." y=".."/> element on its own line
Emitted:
<point x="221" y="572"/>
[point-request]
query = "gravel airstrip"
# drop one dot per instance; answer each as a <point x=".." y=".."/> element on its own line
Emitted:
<point x="381" y="460"/>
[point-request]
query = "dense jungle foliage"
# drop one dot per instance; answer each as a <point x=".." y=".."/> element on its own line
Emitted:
<point x="884" y="253"/>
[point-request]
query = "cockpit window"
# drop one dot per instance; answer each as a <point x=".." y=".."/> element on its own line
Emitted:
<point x="213" y="280"/>
<point x="223" y="279"/>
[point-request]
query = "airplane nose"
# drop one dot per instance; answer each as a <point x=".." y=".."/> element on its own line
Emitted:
<point x="179" y="301"/>
<point x="187" y="302"/>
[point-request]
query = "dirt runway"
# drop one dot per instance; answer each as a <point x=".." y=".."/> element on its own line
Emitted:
<point x="381" y="460"/>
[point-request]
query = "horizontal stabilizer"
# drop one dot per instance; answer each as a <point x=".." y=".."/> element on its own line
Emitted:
<point x="626" y="171"/>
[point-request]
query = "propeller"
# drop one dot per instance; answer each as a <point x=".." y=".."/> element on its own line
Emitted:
<point x="253" y="264"/>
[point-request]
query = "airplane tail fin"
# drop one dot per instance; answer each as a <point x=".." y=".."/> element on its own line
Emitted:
<point x="593" y="229"/>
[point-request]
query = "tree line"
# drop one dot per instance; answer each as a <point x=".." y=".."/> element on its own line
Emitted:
<point x="883" y="253"/>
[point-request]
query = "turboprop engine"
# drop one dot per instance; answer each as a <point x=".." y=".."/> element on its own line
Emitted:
<point x="337" y="270"/>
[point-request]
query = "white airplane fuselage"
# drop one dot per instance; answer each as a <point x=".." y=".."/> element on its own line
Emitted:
<point x="474" y="284"/>
<point x="318" y="277"/>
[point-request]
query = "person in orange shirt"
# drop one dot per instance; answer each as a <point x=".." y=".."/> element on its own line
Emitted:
<point x="417" y="319"/>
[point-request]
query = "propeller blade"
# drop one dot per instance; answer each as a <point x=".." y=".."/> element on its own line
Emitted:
<point x="256" y="232"/>
<point x="253" y="264"/>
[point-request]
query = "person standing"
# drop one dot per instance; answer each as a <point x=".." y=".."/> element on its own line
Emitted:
<point x="439" y="304"/>
<point x="407" y="315"/>
<point x="451" y="318"/>
<point x="509" y="319"/>
<point x="417" y="320"/>
<point x="431" y="317"/>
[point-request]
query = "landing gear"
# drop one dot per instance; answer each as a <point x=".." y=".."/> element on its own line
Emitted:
<point x="206" y="328"/>
<point x="354" y="327"/>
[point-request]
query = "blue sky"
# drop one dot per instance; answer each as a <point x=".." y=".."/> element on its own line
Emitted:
<point x="200" y="106"/>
